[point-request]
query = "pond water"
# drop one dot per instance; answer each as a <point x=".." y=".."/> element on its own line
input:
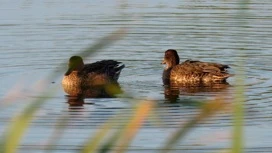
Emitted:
<point x="38" y="36"/>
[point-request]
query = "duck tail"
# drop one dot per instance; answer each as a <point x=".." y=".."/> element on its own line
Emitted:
<point x="115" y="72"/>
<point x="118" y="67"/>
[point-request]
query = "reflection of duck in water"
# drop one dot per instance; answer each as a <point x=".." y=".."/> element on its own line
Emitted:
<point x="75" y="101"/>
<point x="171" y="93"/>
<point x="109" y="90"/>
<point x="97" y="79"/>
<point x="192" y="73"/>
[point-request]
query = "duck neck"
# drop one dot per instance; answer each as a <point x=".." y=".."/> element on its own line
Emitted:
<point x="166" y="75"/>
<point x="170" y="65"/>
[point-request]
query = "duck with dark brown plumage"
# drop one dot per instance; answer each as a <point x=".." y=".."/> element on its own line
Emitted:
<point x="192" y="73"/>
<point x="90" y="78"/>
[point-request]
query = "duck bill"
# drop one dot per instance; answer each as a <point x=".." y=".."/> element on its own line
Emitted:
<point x="68" y="72"/>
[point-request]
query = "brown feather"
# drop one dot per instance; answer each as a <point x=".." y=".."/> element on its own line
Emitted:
<point x="193" y="73"/>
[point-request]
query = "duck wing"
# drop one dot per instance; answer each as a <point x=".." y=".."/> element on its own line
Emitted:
<point x="190" y="66"/>
<point x="111" y="68"/>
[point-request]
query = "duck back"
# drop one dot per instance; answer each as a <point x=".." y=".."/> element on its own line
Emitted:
<point x="198" y="73"/>
<point x="111" y="68"/>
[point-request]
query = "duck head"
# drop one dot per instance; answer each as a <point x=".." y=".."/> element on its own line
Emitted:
<point x="75" y="64"/>
<point x="171" y="58"/>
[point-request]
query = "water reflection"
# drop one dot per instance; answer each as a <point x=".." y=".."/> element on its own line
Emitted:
<point x="172" y="92"/>
<point x="75" y="101"/>
<point x="78" y="94"/>
<point x="105" y="91"/>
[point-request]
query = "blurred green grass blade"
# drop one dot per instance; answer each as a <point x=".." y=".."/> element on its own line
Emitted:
<point x="20" y="124"/>
<point x="105" y="41"/>
<point x="207" y="111"/>
<point x="102" y="43"/>
<point x="108" y="146"/>
<point x="94" y="141"/>
<point x="110" y="142"/>
<point x="238" y="117"/>
<point x="124" y="133"/>
<point x="59" y="130"/>
<point x="238" y="110"/>
<point x="140" y="114"/>
<point x="10" y="96"/>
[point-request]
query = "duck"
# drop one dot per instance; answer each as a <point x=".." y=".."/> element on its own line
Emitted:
<point x="89" y="78"/>
<point x="192" y="72"/>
